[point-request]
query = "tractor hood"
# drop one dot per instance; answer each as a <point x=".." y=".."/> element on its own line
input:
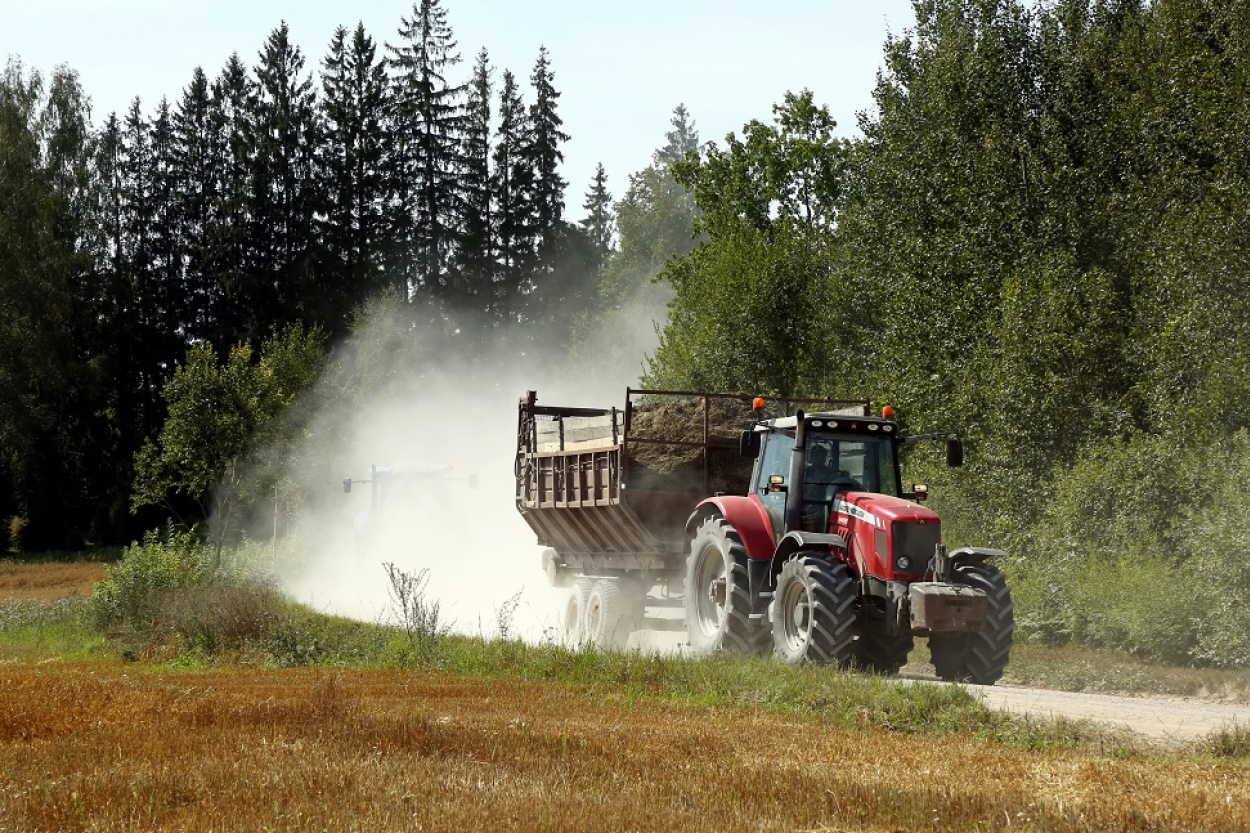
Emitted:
<point x="881" y="510"/>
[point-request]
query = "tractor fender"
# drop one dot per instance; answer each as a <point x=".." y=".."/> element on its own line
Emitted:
<point x="974" y="555"/>
<point x="745" y="515"/>
<point x="798" y="540"/>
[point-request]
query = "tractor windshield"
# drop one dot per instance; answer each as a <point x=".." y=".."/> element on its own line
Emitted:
<point x="858" y="462"/>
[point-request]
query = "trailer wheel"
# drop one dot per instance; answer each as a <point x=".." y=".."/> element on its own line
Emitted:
<point x="718" y="593"/>
<point x="611" y="614"/>
<point x="978" y="658"/>
<point x="557" y="576"/>
<point x="813" y="611"/>
<point x="575" y="611"/>
<point x="882" y="653"/>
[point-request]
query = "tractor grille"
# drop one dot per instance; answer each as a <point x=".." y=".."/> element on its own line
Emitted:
<point x="916" y="543"/>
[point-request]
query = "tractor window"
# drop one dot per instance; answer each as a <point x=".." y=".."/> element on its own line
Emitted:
<point x="867" y="462"/>
<point x="775" y="459"/>
<point x="776" y="456"/>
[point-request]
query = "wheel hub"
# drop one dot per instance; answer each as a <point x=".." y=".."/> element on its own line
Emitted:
<point x="716" y="592"/>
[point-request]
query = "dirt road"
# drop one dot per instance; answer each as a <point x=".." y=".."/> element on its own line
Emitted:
<point x="1166" y="719"/>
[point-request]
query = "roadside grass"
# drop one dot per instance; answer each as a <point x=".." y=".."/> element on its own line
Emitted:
<point x="159" y="607"/>
<point x="191" y="635"/>
<point x="1087" y="669"/>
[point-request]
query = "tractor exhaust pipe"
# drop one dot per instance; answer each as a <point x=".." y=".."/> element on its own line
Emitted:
<point x="798" y="464"/>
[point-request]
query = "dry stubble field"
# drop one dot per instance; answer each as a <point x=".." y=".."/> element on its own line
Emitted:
<point x="46" y="581"/>
<point x="111" y="746"/>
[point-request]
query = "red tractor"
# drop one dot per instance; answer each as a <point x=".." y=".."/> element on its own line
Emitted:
<point x="845" y="565"/>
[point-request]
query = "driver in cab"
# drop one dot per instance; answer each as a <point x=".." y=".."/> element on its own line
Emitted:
<point x="820" y="474"/>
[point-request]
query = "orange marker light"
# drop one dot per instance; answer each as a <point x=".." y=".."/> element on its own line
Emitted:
<point x="757" y="404"/>
<point x="887" y="412"/>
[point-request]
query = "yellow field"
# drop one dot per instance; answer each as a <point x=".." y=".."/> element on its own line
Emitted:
<point x="107" y="746"/>
<point x="50" y="580"/>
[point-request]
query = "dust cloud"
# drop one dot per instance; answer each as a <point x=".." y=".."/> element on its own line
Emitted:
<point x="444" y="424"/>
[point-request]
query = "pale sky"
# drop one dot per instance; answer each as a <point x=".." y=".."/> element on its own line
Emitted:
<point x="621" y="68"/>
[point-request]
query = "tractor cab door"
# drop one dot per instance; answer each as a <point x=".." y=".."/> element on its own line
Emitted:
<point x="774" y="459"/>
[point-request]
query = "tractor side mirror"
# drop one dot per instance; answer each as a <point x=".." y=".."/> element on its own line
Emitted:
<point x="347" y="485"/>
<point x="954" y="453"/>
<point x="473" y="481"/>
<point x="749" y="444"/>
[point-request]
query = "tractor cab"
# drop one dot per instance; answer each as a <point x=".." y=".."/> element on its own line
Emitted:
<point x="841" y="454"/>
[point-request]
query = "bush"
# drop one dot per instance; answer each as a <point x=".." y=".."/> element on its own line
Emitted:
<point x="215" y="617"/>
<point x="135" y="590"/>
<point x="1216" y="544"/>
<point x="1141" y="549"/>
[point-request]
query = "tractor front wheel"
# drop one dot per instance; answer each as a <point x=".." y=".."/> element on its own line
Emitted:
<point x="813" y="611"/>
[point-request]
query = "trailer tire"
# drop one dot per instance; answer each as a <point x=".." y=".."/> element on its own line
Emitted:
<point x="610" y="614"/>
<point x="557" y="576"/>
<point x="718" y="593"/>
<point x="978" y="658"/>
<point x="813" y="611"/>
<point x="574" y="623"/>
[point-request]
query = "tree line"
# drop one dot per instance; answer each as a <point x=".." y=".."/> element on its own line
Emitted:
<point x="1040" y="241"/>
<point x="262" y="198"/>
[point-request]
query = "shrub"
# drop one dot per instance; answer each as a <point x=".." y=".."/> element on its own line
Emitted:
<point x="1142" y="549"/>
<point x="213" y="617"/>
<point x="1216" y="542"/>
<point x="134" y="590"/>
<point x="418" y="615"/>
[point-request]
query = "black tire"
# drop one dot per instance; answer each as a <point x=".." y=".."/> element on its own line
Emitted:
<point x="978" y="658"/>
<point x="574" y="623"/>
<point x="718" y="593"/>
<point x="813" y="612"/>
<point x="612" y="614"/>
<point x="882" y="653"/>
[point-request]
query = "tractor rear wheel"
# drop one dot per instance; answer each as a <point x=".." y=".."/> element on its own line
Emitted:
<point x="813" y="611"/>
<point x="718" y="593"/>
<point x="882" y="653"/>
<point x="978" y="658"/>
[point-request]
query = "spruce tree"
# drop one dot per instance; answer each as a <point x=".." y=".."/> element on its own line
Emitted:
<point x="284" y="197"/>
<point x="227" y="232"/>
<point x="655" y="218"/>
<point x="430" y="128"/>
<point x="474" y="268"/>
<point x="543" y="151"/>
<point x="599" y="224"/>
<point x="197" y="147"/>
<point x="515" y="220"/>
<point x="356" y="187"/>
